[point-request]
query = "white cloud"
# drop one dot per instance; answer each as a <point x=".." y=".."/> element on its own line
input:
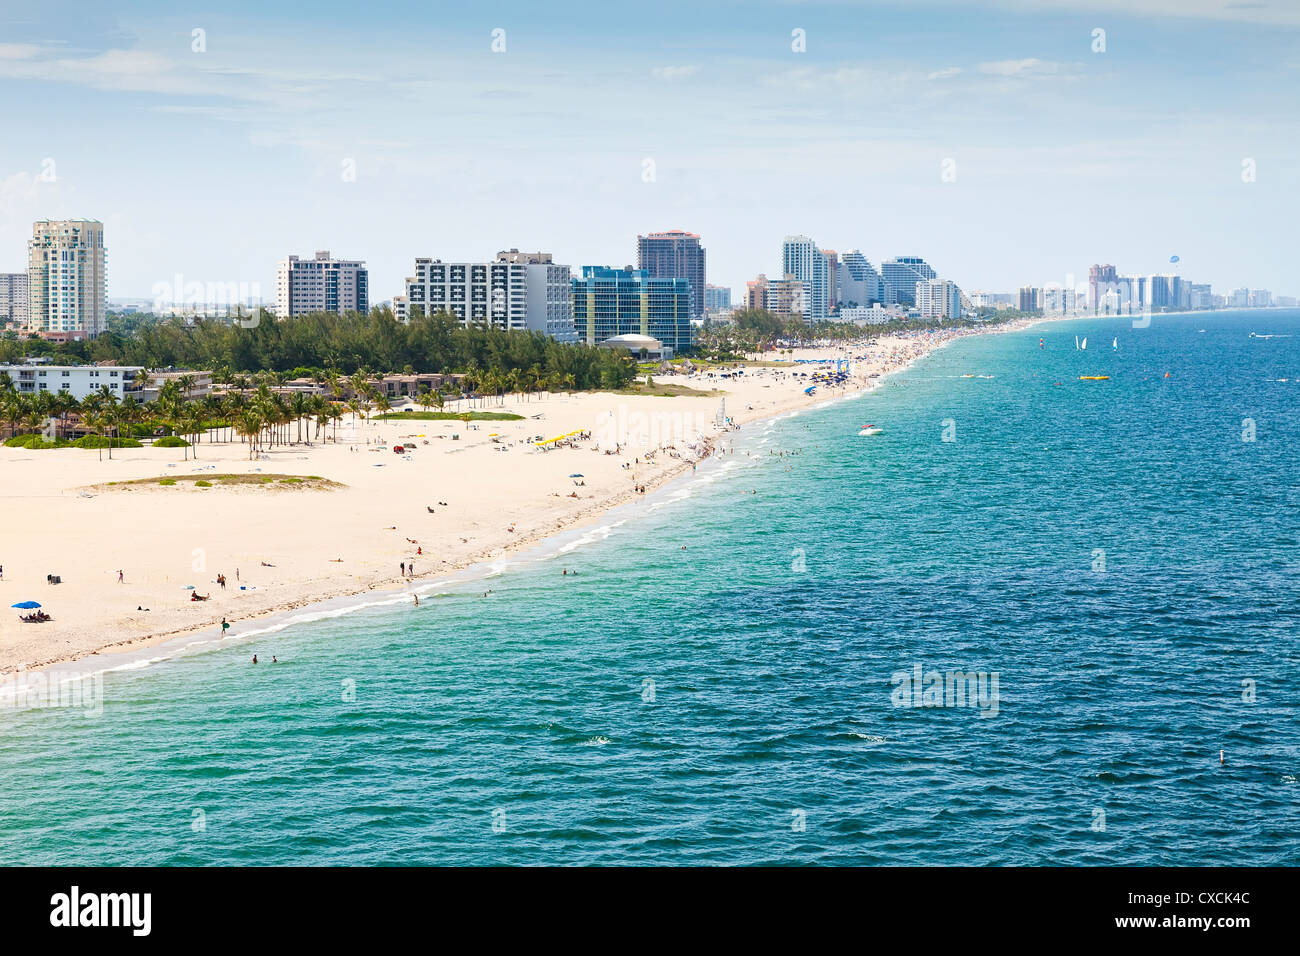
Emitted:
<point x="944" y="73"/>
<point x="18" y="51"/>
<point x="1029" y="66"/>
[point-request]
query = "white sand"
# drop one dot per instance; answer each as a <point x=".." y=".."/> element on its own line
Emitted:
<point x="164" y="538"/>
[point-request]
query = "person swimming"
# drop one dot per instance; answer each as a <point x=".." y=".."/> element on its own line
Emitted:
<point x="254" y="658"/>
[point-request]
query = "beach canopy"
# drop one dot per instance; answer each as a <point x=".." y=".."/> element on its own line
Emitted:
<point x="577" y="475"/>
<point x="26" y="605"/>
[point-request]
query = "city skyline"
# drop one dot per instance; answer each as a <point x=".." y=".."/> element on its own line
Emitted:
<point x="895" y="145"/>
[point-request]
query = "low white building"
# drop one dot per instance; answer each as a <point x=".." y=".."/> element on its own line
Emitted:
<point x="77" y="380"/>
<point x="876" y="314"/>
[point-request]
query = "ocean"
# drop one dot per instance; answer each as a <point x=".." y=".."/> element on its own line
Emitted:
<point x="1036" y="620"/>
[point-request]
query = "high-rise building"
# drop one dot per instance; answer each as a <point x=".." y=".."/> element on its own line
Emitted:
<point x="518" y="291"/>
<point x="321" y="284"/>
<point x="1261" y="298"/>
<point x="901" y="274"/>
<point x="756" y="292"/>
<point x="550" y="293"/>
<point x="801" y="259"/>
<point x="66" y="289"/>
<point x="1101" y="279"/>
<point x="675" y="255"/>
<point x="832" y="279"/>
<point x="938" y="299"/>
<point x="13" y="298"/>
<point x="787" y="297"/>
<point x="717" y="298"/>
<point x="609" y="302"/>
<point x="859" y="284"/>
<point x="1030" y="298"/>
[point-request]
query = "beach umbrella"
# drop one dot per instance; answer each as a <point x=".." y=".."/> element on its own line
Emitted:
<point x="26" y="605"/>
<point x="576" y="475"/>
<point x="188" y="587"/>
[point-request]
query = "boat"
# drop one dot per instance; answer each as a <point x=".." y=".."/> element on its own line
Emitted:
<point x="1094" y="378"/>
<point x="870" y="430"/>
<point x="1084" y="346"/>
<point x="1114" y="343"/>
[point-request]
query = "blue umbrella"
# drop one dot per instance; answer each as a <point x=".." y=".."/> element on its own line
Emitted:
<point x="26" y="605"/>
<point x="576" y="475"/>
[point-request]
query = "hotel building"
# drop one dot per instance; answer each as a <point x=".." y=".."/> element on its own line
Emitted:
<point x="901" y="274"/>
<point x="609" y="302"/>
<point x="321" y="284"/>
<point x="65" y="277"/>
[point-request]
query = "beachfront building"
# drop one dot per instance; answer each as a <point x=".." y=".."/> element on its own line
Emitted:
<point x="832" y="279"/>
<point x="900" y="275"/>
<point x="717" y="299"/>
<point x="938" y="299"/>
<point x="13" y="298"/>
<point x="193" y="383"/>
<point x="641" y="346"/>
<point x="802" y="260"/>
<point x="1030" y="298"/>
<point x="875" y="314"/>
<point x="66" y="292"/>
<point x="609" y="302"/>
<point x="859" y="283"/>
<point x="675" y="255"/>
<point x="518" y="291"/>
<point x="78" y="381"/>
<point x="321" y="284"/>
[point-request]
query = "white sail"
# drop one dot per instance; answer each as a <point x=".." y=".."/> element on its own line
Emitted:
<point x="1114" y="343"/>
<point x="1076" y="341"/>
<point x="1085" y="343"/>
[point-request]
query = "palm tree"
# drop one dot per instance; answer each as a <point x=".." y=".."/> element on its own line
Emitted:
<point x="249" y="425"/>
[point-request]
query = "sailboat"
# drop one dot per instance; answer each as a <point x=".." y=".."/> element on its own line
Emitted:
<point x="1085" y="343"/>
<point x="1114" y="343"/>
<point x="1076" y="343"/>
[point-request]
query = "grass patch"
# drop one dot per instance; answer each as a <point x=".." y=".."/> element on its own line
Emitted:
<point x="310" y="482"/>
<point x="449" y="416"/>
<point x="666" y="389"/>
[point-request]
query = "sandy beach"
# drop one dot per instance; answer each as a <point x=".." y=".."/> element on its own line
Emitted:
<point x="281" y="545"/>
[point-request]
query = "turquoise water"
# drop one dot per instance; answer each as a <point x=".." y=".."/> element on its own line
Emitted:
<point x="1113" y="551"/>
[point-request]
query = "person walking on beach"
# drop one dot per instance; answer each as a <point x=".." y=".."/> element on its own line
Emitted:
<point x="225" y="626"/>
<point x="403" y="569"/>
<point x="119" y="578"/>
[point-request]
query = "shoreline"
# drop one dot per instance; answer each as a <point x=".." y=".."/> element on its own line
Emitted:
<point x="126" y="652"/>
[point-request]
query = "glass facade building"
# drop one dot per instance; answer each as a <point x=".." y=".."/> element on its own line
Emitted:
<point x="609" y="302"/>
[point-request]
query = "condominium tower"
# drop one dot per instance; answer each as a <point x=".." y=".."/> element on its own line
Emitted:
<point x="801" y="259"/>
<point x="321" y="284"/>
<point x="65" y="276"/>
<point x="675" y="255"/>
<point x="518" y="291"/>
<point x="13" y="298"/>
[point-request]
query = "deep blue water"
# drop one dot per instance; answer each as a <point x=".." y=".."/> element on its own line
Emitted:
<point x="1113" y="551"/>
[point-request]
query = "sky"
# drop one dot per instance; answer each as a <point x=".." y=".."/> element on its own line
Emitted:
<point x="1006" y="141"/>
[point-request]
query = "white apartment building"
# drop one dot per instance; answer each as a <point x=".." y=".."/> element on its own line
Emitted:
<point x="518" y="291"/>
<point x="66" y="289"/>
<point x="938" y="299"/>
<point x="801" y="259"/>
<point x="13" y="298"/>
<point x="875" y="314"/>
<point x="77" y="380"/>
<point x="321" y="284"/>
